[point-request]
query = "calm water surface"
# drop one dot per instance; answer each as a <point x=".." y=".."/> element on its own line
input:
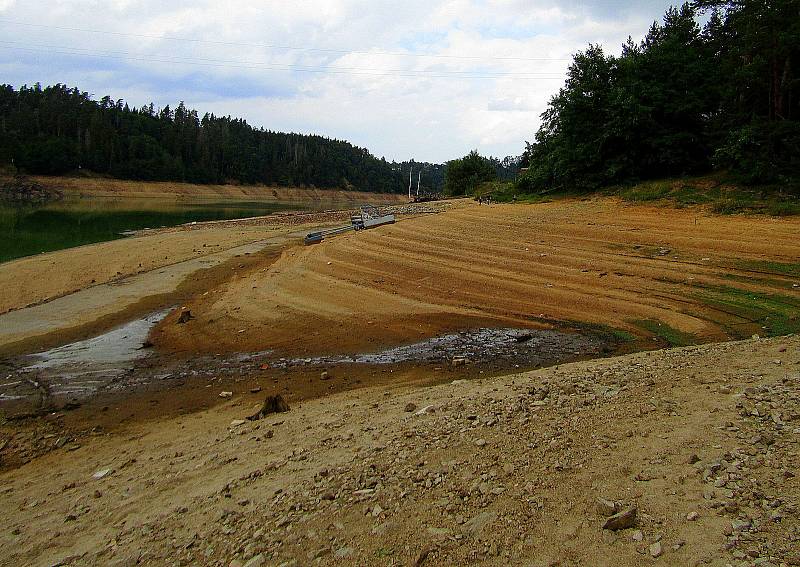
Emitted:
<point x="32" y="229"/>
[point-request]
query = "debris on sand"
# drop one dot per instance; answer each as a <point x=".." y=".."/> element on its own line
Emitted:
<point x="102" y="473"/>
<point x="621" y="521"/>
<point x="273" y="404"/>
<point x="185" y="317"/>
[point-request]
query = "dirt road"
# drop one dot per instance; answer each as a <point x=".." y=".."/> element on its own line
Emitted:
<point x="701" y="441"/>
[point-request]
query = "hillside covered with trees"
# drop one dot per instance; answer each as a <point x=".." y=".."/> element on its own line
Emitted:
<point x="56" y="130"/>
<point x="687" y="99"/>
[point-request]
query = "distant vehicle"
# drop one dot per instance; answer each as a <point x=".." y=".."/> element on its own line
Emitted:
<point x="368" y="216"/>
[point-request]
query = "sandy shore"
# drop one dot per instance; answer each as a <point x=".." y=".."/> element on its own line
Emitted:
<point x="449" y="460"/>
<point x="321" y="198"/>
<point x="598" y="262"/>
<point x="702" y="442"/>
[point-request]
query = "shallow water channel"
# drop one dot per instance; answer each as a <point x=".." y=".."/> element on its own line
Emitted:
<point x="115" y="361"/>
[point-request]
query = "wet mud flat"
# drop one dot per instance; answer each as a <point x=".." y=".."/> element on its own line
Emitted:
<point x="119" y="362"/>
<point x="61" y="398"/>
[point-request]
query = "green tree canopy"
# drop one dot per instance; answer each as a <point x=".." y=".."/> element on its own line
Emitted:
<point x="464" y="175"/>
<point x="57" y="129"/>
<point x="684" y="100"/>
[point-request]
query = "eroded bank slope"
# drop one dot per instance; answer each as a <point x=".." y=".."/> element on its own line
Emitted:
<point x="702" y="441"/>
<point x="679" y="276"/>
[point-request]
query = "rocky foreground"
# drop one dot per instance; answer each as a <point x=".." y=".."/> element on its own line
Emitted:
<point x="675" y="457"/>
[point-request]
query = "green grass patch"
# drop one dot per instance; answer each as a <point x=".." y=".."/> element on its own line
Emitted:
<point x="670" y="335"/>
<point x="775" y="314"/>
<point x="782" y="268"/>
<point x="722" y="196"/>
<point x="783" y="209"/>
<point x="645" y="192"/>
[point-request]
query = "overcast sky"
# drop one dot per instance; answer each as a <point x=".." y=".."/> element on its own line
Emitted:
<point x="428" y="80"/>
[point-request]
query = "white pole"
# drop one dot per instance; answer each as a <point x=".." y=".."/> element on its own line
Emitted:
<point x="419" y="179"/>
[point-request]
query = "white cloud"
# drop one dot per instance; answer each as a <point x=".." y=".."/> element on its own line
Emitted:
<point x="374" y="93"/>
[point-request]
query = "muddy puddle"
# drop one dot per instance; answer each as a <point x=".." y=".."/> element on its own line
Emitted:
<point x="501" y="347"/>
<point x="79" y="369"/>
<point x="116" y="362"/>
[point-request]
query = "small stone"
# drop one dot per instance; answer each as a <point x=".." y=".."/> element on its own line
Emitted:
<point x="102" y="473"/>
<point x="238" y="422"/>
<point x="606" y="507"/>
<point x="410" y="406"/>
<point x="475" y="526"/>
<point x="622" y="520"/>
<point x="324" y="375"/>
<point x="637" y="535"/>
<point x="423" y="555"/>
<point x="226" y="394"/>
<point x="426" y="409"/>
<point x="459" y="361"/>
<point x="343" y="552"/>
<point x="692" y="516"/>
<point x="317" y="553"/>
<point x="655" y="549"/>
<point x="480" y="442"/>
<point x="693" y="458"/>
<point x="256" y="561"/>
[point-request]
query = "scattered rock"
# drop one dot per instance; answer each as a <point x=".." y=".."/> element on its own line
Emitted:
<point x="102" y="473"/>
<point x="655" y="549"/>
<point x="238" y="422"/>
<point x="692" y="516"/>
<point x="226" y="394"/>
<point x="317" y="553"/>
<point x="459" y="361"/>
<point x="622" y="520"/>
<point x="256" y="561"/>
<point x="474" y="527"/>
<point x="410" y="406"/>
<point x="343" y="552"/>
<point x="324" y="375"/>
<point x="606" y="507"/>
<point x="423" y="555"/>
<point x="426" y="409"/>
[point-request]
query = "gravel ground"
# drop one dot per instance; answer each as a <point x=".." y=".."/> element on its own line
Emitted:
<point x="523" y="469"/>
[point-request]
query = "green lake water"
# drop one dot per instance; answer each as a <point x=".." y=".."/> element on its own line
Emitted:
<point x="26" y="230"/>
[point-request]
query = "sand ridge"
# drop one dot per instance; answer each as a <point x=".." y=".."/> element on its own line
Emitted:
<point x="598" y="261"/>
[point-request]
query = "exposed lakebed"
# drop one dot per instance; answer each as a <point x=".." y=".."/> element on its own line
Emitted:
<point x="119" y="362"/>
